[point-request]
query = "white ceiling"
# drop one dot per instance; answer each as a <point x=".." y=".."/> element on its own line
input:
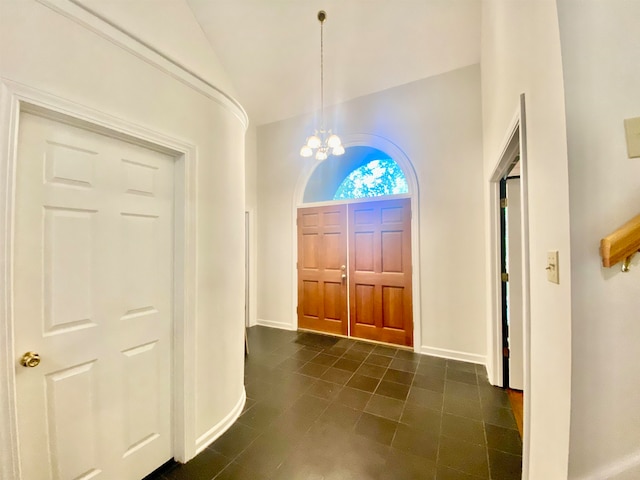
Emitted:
<point x="271" y="48"/>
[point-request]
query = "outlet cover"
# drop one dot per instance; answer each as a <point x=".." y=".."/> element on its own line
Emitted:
<point x="553" y="273"/>
<point x="632" y="130"/>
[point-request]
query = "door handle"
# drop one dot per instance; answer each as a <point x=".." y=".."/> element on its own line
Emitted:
<point x="30" y="360"/>
<point x="344" y="276"/>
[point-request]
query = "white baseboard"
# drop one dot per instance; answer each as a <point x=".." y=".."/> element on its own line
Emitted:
<point x="222" y="426"/>
<point x="626" y="468"/>
<point x="281" y="325"/>
<point x="454" y="355"/>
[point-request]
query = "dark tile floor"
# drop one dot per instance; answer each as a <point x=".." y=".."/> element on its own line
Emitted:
<point x="324" y="408"/>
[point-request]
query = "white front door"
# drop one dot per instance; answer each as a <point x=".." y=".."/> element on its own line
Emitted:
<point x="93" y="290"/>
<point x="514" y="286"/>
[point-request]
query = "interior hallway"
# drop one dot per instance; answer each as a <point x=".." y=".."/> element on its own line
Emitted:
<point x="321" y="407"/>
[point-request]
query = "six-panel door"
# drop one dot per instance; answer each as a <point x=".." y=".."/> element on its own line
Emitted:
<point x="93" y="289"/>
<point x="322" y="263"/>
<point x="380" y="271"/>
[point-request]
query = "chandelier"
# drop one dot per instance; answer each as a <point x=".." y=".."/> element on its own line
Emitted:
<point x="322" y="142"/>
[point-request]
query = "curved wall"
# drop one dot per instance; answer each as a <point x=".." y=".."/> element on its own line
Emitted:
<point x="46" y="50"/>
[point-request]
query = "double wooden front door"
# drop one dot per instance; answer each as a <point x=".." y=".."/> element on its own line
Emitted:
<point x="354" y="270"/>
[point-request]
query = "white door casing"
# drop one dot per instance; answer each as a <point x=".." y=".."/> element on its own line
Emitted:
<point x="514" y="286"/>
<point x="514" y="145"/>
<point x="93" y="290"/>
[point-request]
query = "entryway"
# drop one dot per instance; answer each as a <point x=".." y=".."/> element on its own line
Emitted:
<point x="354" y="270"/>
<point x="93" y="303"/>
<point x="511" y="276"/>
<point x="509" y="342"/>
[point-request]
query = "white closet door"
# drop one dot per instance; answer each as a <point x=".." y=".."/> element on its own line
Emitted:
<point x="93" y="289"/>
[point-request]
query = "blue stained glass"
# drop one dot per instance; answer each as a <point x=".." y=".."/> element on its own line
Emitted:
<point x="376" y="178"/>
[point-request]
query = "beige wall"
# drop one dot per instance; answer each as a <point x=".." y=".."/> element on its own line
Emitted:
<point x="47" y="51"/>
<point x="436" y="122"/>
<point x="251" y="206"/>
<point x="521" y="54"/>
<point x="170" y="27"/>
<point x="601" y="62"/>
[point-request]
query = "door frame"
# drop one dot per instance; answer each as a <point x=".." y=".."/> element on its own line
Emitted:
<point x="514" y="144"/>
<point x="397" y="155"/>
<point x="16" y="98"/>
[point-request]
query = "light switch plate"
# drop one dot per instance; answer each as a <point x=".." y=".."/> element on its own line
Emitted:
<point x="632" y="130"/>
<point x="553" y="274"/>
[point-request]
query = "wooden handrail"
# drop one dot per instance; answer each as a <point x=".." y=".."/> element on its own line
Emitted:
<point x="621" y="245"/>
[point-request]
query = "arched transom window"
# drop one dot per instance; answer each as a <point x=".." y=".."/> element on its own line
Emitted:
<point x="361" y="172"/>
<point x="378" y="177"/>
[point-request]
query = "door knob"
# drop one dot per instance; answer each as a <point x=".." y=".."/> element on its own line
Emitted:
<point x="344" y="276"/>
<point x="30" y="360"/>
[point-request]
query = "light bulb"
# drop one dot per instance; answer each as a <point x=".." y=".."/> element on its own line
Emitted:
<point x="334" y="141"/>
<point x="339" y="150"/>
<point x="306" y="151"/>
<point x="313" y="142"/>
<point x="321" y="155"/>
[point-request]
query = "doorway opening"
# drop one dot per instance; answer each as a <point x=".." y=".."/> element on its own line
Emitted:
<point x="373" y="190"/>
<point x="508" y="339"/>
<point x="511" y="277"/>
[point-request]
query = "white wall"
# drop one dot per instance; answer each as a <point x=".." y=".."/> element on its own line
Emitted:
<point x="601" y="62"/>
<point x="436" y="122"/>
<point x="521" y="54"/>
<point x="251" y="206"/>
<point x="50" y="52"/>
<point x="170" y="27"/>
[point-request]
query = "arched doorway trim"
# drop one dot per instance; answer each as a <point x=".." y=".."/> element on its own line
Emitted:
<point x="364" y="140"/>
<point x="396" y="154"/>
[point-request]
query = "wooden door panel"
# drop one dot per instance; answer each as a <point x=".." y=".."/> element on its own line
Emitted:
<point x="393" y="307"/>
<point x="365" y="308"/>
<point x="333" y="250"/>
<point x="310" y="303"/>
<point x="392" y="214"/>
<point x="322" y="253"/>
<point x="380" y="271"/>
<point x="310" y="251"/>
<point x="363" y="252"/>
<point x="392" y="254"/>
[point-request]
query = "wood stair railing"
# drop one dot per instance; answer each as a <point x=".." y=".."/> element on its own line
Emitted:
<point x="621" y="245"/>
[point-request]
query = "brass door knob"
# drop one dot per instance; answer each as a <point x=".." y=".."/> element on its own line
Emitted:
<point x="30" y="360"/>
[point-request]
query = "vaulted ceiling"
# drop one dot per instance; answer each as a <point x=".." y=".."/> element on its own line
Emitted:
<point x="271" y="48"/>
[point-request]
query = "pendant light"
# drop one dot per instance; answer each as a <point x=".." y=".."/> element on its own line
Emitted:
<point x="323" y="142"/>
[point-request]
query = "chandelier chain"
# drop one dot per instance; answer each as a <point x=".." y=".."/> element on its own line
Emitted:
<point x="322" y="74"/>
<point x="323" y="142"/>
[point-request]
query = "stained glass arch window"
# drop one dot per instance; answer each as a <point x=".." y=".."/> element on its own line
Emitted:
<point x="376" y="178"/>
